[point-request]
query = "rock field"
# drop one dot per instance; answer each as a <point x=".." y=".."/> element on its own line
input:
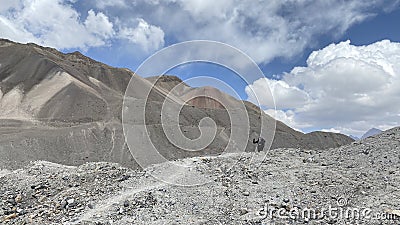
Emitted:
<point x="249" y="188"/>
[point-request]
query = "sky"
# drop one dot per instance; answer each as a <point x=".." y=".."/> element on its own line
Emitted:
<point x="330" y="65"/>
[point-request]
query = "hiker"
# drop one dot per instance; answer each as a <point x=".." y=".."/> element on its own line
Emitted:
<point x="260" y="143"/>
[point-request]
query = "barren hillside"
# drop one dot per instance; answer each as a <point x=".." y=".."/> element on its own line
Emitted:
<point x="66" y="108"/>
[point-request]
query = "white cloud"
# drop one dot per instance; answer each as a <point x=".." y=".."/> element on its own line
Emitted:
<point x="15" y="32"/>
<point x="287" y="117"/>
<point x="218" y="9"/>
<point x="58" y="24"/>
<point x="285" y="96"/>
<point x="9" y="4"/>
<point x="109" y="3"/>
<point x="50" y="23"/>
<point x="332" y="130"/>
<point x="149" y="36"/>
<point x="99" y="24"/>
<point x="265" y="29"/>
<point x="349" y="88"/>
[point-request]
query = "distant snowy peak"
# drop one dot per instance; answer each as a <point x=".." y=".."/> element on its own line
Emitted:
<point x="371" y="132"/>
<point x="354" y="137"/>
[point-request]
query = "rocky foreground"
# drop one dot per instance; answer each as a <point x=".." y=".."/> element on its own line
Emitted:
<point x="260" y="188"/>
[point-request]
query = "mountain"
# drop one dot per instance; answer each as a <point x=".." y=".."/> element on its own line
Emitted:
<point x="314" y="139"/>
<point x="67" y="109"/>
<point x="371" y="132"/>
<point x="285" y="137"/>
<point x="354" y="137"/>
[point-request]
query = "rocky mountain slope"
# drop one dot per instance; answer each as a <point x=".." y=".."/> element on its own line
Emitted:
<point x="246" y="188"/>
<point x="66" y="108"/>
<point x="371" y="132"/>
<point x="284" y="135"/>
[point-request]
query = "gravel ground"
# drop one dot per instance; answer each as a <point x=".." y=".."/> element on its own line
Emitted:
<point x="272" y="187"/>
